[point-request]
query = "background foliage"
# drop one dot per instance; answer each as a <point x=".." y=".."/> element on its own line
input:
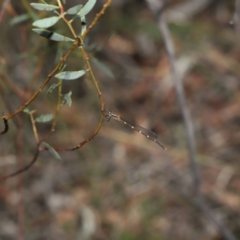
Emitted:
<point x="120" y="185"/>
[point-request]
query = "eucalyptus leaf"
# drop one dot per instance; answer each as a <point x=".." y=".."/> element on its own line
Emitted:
<point x="52" y="35"/>
<point x="83" y="24"/>
<point x="44" y="7"/>
<point x="52" y="87"/>
<point x="52" y="151"/>
<point x="67" y="99"/>
<point x="70" y="75"/>
<point x="26" y="110"/>
<point x="103" y="68"/>
<point x="46" y="22"/>
<point x="44" y="118"/>
<point x="87" y="8"/>
<point x="74" y="10"/>
<point x="19" y="19"/>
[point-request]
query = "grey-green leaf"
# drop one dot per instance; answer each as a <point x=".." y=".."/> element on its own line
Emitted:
<point x="87" y="8"/>
<point x="67" y="99"/>
<point x="26" y="110"/>
<point x="52" y="87"/>
<point x="44" y="118"/>
<point x="19" y="19"/>
<point x="44" y="7"/>
<point x="52" y="151"/>
<point x="46" y="22"/>
<point x="52" y="35"/>
<point x="74" y="10"/>
<point x="103" y="68"/>
<point x="84" y="25"/>
<point x="70" y="75"/>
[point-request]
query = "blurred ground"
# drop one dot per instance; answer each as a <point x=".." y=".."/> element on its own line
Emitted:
<point x="120" y="185"/>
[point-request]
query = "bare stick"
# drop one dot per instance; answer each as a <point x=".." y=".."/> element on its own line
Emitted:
<point x="5" y="121"/>
<point x="25" y="168"/>
<point x="156" y="7"/>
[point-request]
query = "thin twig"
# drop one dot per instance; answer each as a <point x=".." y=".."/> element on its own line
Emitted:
<point x="155" y="7"/>
<point x="25" y="168"/>
<point x="56" y="112"/>
<point x="35" y="132"/>
<point x="183" y="107"/>
<point x="180" y="93"/>
<point x="7" y="103"/>
<point x="200" y="203"/>
<point x="6" y="127"/>
<point x="39" y="90"/>
<point x="79" y="145"/>
<point x="19" y="153"/>
<point x="98" y="15"/>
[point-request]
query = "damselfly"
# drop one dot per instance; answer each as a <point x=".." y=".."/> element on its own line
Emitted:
<point x="147" y="133"/>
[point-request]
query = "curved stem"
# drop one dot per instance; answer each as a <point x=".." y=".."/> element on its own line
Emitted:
<point x="25" y="168"/>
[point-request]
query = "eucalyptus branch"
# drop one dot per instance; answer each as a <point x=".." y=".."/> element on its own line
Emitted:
<point x="57" y="111"/>
<point x="98" y="15"/>
<point x="39" y="90"/>
<point x="65" y="20"/>
<point x="95" y="81"/>
<point x="79" y="145"/>
<point x="25" y="168"/>
<point x="35" y="132"/>
<point x="68" y="75"/>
